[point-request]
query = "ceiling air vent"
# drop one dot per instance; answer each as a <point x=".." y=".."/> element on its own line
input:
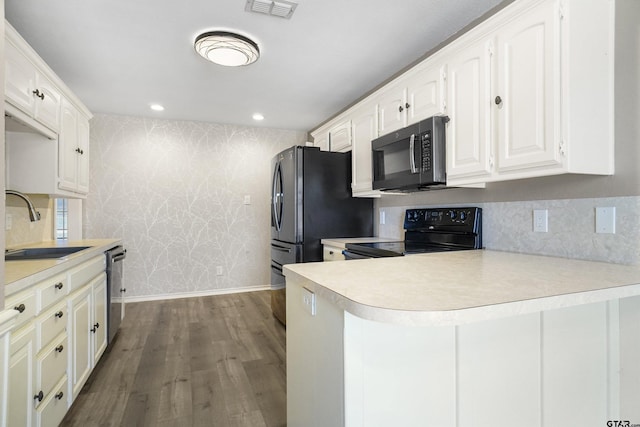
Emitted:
<point x="280" y="8"/>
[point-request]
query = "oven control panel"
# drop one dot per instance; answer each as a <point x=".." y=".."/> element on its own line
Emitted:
<point x="461" y="218"/>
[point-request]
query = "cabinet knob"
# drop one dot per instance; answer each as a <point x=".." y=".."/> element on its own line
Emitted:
<point x="407" y="105"/>
<point x="498" y="100"/>
<point x="401" y="108"/>
<point x="60" y="348"/>
<point x="21" y="308"/>
<point x="95" y="328"/>
<point x="59" y="285"/>
<point x="59" y="314"/>
<point x="39" y="396"/>
<point x="123" y="290"/>
<point x="59" y="395"/>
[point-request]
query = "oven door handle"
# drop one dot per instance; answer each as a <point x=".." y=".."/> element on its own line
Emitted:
<point x="352" y="255"/>
<point x="412" y="153"/>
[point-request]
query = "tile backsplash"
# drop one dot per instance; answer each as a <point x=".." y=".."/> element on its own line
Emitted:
<point x="508" y="226"/>
<point x="23" y="231"/>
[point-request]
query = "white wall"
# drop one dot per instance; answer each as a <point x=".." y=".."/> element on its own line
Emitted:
<point x="174" y="191"/>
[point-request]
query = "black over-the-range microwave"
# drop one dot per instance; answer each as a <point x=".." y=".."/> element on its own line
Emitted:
<point x="412" y="158"/>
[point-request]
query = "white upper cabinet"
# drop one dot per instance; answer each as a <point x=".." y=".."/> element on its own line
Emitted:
<point x="529" y="111"/>
<point x="29" y="90"/>
<point x="528" y="91"/>
<point x="392" y="109"/>
<point x="363" y="131"/>
<point x="524" y="96"/>
<point x="469" y="127"/>
<point x="415" y="96"/>
<point x="50" y="155"/>
<point x="73" y="149"/>
<point x="425" y="91"/>
<point x="340" y="136"/>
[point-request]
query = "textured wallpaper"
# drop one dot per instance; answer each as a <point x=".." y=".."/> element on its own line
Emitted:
<point x="175" y="192"/>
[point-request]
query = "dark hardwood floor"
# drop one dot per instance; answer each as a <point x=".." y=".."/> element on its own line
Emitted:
<point x="208" y="361"/>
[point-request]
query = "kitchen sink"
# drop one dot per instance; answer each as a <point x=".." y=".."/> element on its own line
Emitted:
<point x="41" y="253"/>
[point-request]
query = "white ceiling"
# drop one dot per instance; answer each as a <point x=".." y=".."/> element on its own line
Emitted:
<point x="119" y="56"/>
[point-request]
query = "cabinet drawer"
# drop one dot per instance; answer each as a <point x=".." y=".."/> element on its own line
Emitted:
<point x="331" y="253"/>
<point x="51" y="324"/>
<point x="52" y="410"/>
<point x="50" y="291"/>
<point x="82" y="274"/>
<point x="25" y="303"/>
<point x="51" y="365"/>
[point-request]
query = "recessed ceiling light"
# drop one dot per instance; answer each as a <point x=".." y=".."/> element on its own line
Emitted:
<point x="258" y="116"/>
<point x="156" y="107"/>
<point x="226" y="48"/>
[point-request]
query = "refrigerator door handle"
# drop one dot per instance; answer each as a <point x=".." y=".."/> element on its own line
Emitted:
<point x="277" y="196"/>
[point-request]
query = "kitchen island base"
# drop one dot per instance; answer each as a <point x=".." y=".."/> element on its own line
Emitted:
<point x="575" y="365"/>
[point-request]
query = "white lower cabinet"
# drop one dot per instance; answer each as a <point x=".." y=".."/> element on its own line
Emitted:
<point x="21" y="378"/>
<point x="88" y="315"/>
<point x="53" y="409"/>
<point x="58" y="340"/>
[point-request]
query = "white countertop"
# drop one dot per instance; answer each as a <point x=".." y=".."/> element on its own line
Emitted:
<point x="19" y="275"/>
<point x="462" y="287"/>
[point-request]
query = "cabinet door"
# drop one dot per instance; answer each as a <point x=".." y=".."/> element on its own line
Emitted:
<point x="21" y="379"/>
<point x="80" y="326"/>
<point x="528" y="86"/>
<point x="47" y="109"/>
<point x="83" y="158"/>
<point x="425" y="97"/>
<point x="392" y="110"/>
<point x="321" y="140"/>
<point x="20" y="79"/>
<point x="68" y="146"/>
<point x="340" y="136"/>
<point x="99" y="299"/>
<point x="363" y="125"/>
<point x="469" y="130"/>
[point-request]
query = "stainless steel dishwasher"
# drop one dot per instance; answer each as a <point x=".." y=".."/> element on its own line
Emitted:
<point x="115" y="289"/>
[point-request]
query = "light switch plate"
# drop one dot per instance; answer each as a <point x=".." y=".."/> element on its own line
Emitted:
<point x="309" y="301"/>
<point x="606" y="220"/>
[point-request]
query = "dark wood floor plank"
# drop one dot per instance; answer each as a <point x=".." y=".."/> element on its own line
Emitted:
<point x="208" y="361"/>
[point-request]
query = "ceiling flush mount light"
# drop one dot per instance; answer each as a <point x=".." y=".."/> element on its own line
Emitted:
<point x="227" y="48"/>
<point x="258" y="117"/>
<point x="156" y="107"/>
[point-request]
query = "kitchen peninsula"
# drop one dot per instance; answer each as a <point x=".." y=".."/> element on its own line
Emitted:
<point x="470" y="338"/>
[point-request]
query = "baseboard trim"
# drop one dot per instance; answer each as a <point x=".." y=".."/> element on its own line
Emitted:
<point x="194" y="294"/>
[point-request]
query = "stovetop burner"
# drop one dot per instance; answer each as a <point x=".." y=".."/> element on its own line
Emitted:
<point x="428" y="230"/>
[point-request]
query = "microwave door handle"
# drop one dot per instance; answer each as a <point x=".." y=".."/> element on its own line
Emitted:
<point x="412" y="153"/>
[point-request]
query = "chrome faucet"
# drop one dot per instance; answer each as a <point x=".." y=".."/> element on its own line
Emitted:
<point x="33" y="214"/>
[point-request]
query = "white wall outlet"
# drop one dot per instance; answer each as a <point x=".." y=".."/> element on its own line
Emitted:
<point x="8" y="222"/>
<point x="540" y="220"/>
<point x="606" y="220"/>
<point x="309" y="301"/>
<point x="219" y="270"/>
<point x="383" y="218"/>
<point x="247" y="199"/>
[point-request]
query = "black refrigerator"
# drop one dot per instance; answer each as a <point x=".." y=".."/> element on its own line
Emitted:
<point x="310" y="200"/>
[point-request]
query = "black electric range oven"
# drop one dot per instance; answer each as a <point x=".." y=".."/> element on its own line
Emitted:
<point x="427" y="230"/>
